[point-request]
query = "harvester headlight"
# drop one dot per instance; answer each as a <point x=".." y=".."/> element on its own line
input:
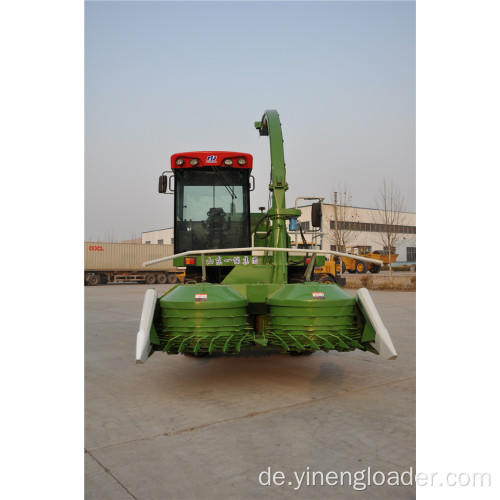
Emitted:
<point x="241" y="161"/>
<point x="194" y="162"/>
<point x="179" y="161"/>
<point x="228" y="162"/>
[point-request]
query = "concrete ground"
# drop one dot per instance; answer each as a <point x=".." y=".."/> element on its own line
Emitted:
<point x="185" y="428"/>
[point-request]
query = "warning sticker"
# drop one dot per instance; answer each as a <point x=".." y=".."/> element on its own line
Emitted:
<point x="199" y="297"/>
<point x="318" y="295"/>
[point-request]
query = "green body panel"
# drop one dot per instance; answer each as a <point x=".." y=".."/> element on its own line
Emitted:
<point x="203" y="318"/>
<point x="255" y="217"/>
<point x="285" y="212"/>
<point x="255" y="305"/>
<point x="301" y="294"/>
<point x="153" y="335"/>
<point x="257" y="293"/>
<point x="313" y="316"/>
<point x="278" y="316"/>
<point x="297" y="259"/>
<point x="216" y="260"/>
<point x="217" y="297"/>
<point x="249" y="274"/>
<point x="369" y="331"/>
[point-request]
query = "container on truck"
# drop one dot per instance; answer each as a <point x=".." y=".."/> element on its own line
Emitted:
<point x="122" y="263"/>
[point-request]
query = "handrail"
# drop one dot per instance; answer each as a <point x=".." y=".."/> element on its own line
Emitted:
<point x="262" y="249"/>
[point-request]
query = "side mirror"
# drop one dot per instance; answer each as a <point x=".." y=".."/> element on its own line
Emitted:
<point x="162" y="184"/>
<point x="316" y="214"/>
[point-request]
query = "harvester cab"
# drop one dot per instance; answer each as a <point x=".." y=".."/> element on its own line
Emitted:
<point x="239" y="296"/>
<point x="211" y="208"/>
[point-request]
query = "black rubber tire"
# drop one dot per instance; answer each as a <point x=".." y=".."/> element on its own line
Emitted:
<point x="94" y="280"/>
<point x="172" y="279"/>
<point x="161" y="279"/>
<point x="360" y="267"/>
<point x="374" y="268"/>
<point x="326" y="279"/>
<point x="104" y="279"/>
<point x="150" y="279"/>
<point x="337" y="267"/>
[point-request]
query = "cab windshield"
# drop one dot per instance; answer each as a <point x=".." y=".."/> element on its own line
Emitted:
<point x="211" y="209"/>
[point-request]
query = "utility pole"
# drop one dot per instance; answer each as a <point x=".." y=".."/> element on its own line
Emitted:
<point x="336" y="223"/>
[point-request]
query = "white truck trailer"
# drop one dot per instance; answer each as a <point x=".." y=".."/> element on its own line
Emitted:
<point x="122" y="263"/>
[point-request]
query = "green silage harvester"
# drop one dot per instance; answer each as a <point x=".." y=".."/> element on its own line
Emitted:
<point x="237" y="295"/>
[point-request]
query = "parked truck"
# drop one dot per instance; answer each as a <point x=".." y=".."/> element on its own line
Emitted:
<point x="122" y="263"/>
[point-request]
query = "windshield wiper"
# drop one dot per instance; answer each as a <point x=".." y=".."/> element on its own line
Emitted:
<point x="229" y="188"/>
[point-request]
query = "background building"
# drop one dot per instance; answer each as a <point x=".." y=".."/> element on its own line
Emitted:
<point x="158" y="237"/>
<point x="359" y="226"/>
<point x="133" y="240"/>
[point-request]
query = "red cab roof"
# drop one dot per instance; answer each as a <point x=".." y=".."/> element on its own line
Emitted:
<point x="210" y="158"/>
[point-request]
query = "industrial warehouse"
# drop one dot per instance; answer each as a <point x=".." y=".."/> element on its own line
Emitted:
<point x="356" y="227"/>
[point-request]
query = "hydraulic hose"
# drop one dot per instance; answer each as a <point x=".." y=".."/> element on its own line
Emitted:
<point x="261" y="220"/>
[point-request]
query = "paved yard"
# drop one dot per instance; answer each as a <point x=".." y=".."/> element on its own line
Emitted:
<point x="184" y="428"/>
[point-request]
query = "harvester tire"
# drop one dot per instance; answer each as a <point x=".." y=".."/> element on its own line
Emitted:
<point x="360" y="267"/>
<point x="94" y="279"/>
<point x="161" y="279"/>
<point x="172" y="279"/>
<point x="150" y="279"/>
<point x="374" y="268"/>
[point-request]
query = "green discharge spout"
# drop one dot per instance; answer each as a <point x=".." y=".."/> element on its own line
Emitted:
<point x="270" y="125"/>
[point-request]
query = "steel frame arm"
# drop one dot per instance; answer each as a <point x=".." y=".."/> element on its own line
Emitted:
<point x="270" y="126"/>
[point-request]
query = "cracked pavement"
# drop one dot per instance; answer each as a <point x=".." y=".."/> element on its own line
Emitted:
<point x="180" y="427"/>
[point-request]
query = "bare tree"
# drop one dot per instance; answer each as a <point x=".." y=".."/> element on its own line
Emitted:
<point x="133" y="239"/>
<point x="342" y="233"/>
<point x="390" y="214"/>
<point x="110" y="236"/>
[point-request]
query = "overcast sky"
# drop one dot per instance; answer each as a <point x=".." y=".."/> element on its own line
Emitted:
<point x="166" y="77"/>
